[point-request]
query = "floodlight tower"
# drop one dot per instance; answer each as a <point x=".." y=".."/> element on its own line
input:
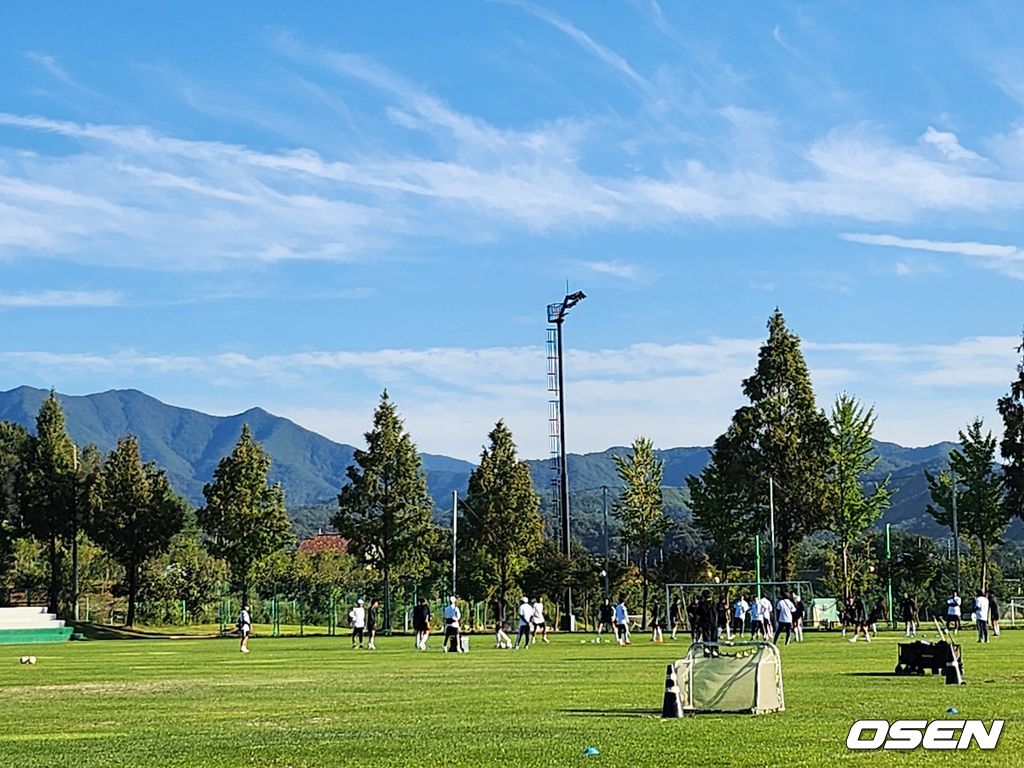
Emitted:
<point x="556" y="316"/>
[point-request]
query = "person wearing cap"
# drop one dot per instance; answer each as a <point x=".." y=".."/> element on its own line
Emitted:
<point x="452" y="631"/>
<point x="357" y="618"/>
<point x="525" y="623"/>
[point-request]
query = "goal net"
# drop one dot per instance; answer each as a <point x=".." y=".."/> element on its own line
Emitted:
<point x="739" y="677"/>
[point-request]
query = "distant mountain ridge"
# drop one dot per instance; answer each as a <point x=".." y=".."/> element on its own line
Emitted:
<point x="189" y="444"/>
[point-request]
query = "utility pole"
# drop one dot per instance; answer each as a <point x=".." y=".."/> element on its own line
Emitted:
<point x="956" y="535"/>
<point x="771" y="519"/>
<point x="455" y="534"/>
<point x="607" y="562"/>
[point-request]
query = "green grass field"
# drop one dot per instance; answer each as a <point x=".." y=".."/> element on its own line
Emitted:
<point x="315" y="702"/>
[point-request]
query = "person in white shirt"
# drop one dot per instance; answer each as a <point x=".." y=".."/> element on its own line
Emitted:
<point x="452" y="632"/>
<point x="622" y="620"/>
<point x="766" y="615"/>
<point x="525" y="624"/>
<point x="357" y="618"/>
<point x="756" y="625"/>
<point x="539" y="624"/>
<point x="784" y="611"/>
<point x="244" y="625"/>
<point x="739" y="614"/>
<point x="953" y="612"/>
<point x="981" y="614"/>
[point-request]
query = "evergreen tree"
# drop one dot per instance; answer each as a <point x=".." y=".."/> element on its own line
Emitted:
<point x="850" y="510"/>
<point x="384" y="509"/>
<point x="980" y="507"/>
<point x="244" y="517"/>
<point x="135" y="513"/>
<point x="782" y="438"/>
<point x="14" y="442"/>
<point x="50" y="490"/>
<point x="639" y="508"/>
<point x="503" y="521"/>
<point x="1011" y="409"/>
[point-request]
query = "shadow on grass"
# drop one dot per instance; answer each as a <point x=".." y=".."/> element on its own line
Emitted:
<point x="876" y="674"/>
<point x="111" y="632"/>
<point x="612" y="712"/>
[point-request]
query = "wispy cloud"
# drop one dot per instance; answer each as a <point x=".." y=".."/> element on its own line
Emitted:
<point x="61" y="299"/>
<point x="622" y="269"/>
<point x="682" y="393"/>
<point x="50" y="64"/>
<point x="1006" y="259"/>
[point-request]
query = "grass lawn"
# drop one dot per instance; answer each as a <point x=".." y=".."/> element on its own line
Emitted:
<point x="315" y="702"/>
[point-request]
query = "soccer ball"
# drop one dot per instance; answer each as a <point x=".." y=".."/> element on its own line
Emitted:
<point x="24" y="659"/>
<point x="28" y="659"/>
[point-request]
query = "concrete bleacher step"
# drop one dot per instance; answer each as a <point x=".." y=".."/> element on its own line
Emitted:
<point x="31" y="625"/>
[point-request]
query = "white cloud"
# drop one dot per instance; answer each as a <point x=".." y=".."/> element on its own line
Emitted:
<point x="622" y="269"/>
<point x="1006" y="259"/>
<point x="948" y="144"/>
<point x="61" y="299"/>
<point x="678" y="394"/>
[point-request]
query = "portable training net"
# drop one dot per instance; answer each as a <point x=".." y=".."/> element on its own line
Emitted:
<point x="734" y="678"/>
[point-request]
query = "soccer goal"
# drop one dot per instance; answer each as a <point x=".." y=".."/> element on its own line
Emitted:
<point x="740" y="678"/>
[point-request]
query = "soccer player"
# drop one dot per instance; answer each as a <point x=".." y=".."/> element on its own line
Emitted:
<point x="357" y="618"/>
<point x="525" y="624"/>
<point x="452" y="631"/>
<point x="656" y="623"/>
<point x="799" y="612"/>
<point x="756" y="625"/>
<point x="692" y="610"/>
<point x="877" y="612"/>
<point x="908" y="613"/>
<point x="675" y="616"/>
<point x="860" y="619"/>
<point x="766" y="615"/>
<point x="605" y="619"/>
<point x="722" y="617"/>
<point x="784" y="609"/>
<point x="244" y="625"/>
<point x="993" y="614"/>
<point x="622" y="620"/>
<point x="371" y="624"/>
<point x="539" y="623"/>
<point x="953" y="604"/>
<point x="739" y="614"/>
<point x="981" y="615"/>
<point x="421" y="623"/>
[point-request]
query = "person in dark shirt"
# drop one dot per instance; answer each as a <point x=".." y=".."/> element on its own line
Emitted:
<point x="707" y="621"/>
<point x="908" y="614"/>
<point x="675" y="616"/>
<point x="421" y="623"/>
<point x="605" y="619"/>
<point x="722" y="628"/>
<point x="993" y="612"/>
<point x="691" y="615"/>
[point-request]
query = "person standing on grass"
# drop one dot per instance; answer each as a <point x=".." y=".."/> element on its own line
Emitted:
<point x="657" y="635"/>
<point x="421" y="623"/>
<point x="993" y="614"/>
<point x="981" y="614"/>
<point x="525" y="624"/>
<point x="539" y="623"/>
<point x="692" y="610"/>
<point x="756" y="625"/>
<point x="860" y="619"/>
<point x="244" y="625"/>
<point x="784" y="610"/>
<point x="799" y="612"/>
<point x="452" y="630"/>
<point x="675" y="616"/>
<point x="357" y="618"/>
<point x="371" y="624"/>
<point x="877" y="612"/>
<point x="766" y="615"/>
<point x="953" y="604"/>
<point x="622" y="620"/>
<point x="722" y="616"/>
<point x="908" y="614"/>
<point x="605" y="619"/>
<point x="739" y="614"/>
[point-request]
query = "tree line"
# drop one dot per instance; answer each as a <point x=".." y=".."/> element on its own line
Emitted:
<point x="783" y="468"/>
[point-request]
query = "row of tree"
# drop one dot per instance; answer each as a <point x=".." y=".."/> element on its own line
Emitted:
<point x="783" y="464"/>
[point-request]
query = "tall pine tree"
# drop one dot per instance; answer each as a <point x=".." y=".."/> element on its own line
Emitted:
<point x="851" y="457"/>
<point x="981" y="511"/>
<point x="135" y="513"/>
<point x="503" y="523"/>
<point x="244" y="517"/>
<point x="780" y="438"/>
<point x="50" y="497"/>
<point x="640" y="509"/>
<point x="384" y="509"/>
<point x="1011" y="409"/>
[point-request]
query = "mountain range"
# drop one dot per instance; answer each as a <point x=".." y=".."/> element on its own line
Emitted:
<point x="188" y="445"/>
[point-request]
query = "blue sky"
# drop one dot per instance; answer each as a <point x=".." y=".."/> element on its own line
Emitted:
<point x="228" y="205"/>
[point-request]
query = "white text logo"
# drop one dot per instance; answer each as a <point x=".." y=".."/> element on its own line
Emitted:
<point x="911" y="734"/>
